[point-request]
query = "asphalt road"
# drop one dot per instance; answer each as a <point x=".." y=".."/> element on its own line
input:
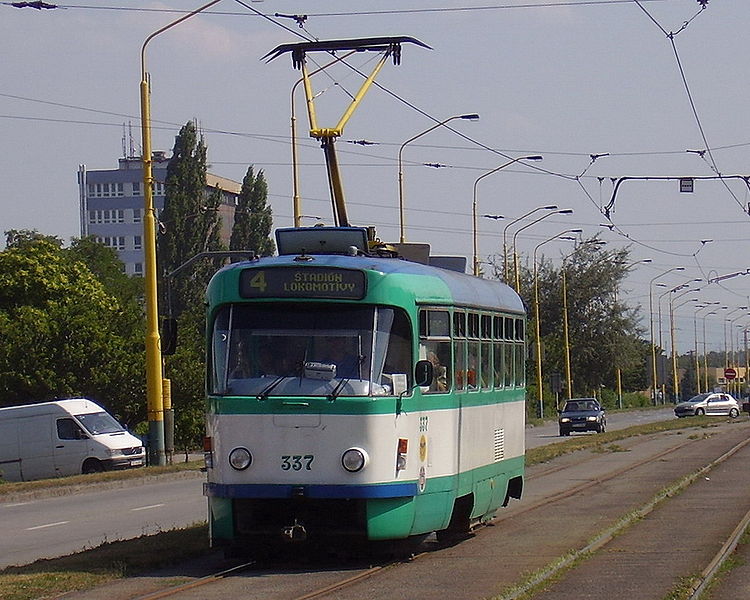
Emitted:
<point x="549" y="433"/>
<point x="55" y="526"/>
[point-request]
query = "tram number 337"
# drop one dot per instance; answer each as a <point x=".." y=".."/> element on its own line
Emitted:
<point x="297" y="462"/>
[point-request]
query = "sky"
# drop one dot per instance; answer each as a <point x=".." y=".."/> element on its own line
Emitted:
<point x="646" y="90"/>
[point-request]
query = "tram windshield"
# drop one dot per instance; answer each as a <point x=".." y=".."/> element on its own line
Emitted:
<point x="310" y="349"/>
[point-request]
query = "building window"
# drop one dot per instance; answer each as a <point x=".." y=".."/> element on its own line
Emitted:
<point x="137" y="215"/>
<point x="119" y="189"/>
<point x="136" y="188"/>
<point x="137" y="244"/>
<point x="138" y="268"/>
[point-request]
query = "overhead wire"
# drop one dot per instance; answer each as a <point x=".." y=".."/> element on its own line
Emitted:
<point x="455" y="131"/>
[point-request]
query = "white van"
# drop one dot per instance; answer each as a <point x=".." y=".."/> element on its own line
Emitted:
<point x="65" y="437"/>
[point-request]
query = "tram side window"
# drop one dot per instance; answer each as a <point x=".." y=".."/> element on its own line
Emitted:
<point x="497" y="365"/>
<point x="459" y="348"/>
<point x="520" y="347"/>
<point x="435" y="346"/>
<point x="472" y="352"/>
<point x="497" y="357"/>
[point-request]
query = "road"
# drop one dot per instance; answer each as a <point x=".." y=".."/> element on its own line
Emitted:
<point x="48" y="527"/>
<point x="548" y="433"/>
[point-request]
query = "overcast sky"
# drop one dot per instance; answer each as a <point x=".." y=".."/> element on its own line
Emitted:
<point x="651" y="88"/>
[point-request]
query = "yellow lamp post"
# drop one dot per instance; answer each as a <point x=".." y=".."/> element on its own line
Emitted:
<point x="654" y="382"/>
<point x="705" y="351"/>
<point x="538" y="337"/>
<point x="468" y="117"/>
<point x="699" y="380"/>
<point x="672" y="308"/>
<point x="154" y="374"/>
<point x="474" y="203"/>
<point x="566" y="334"/>
<point x="517" y="275"/>
<point x="618" y="370"/>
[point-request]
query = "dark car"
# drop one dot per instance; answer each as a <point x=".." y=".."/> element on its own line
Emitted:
<point x="582" y="414"/>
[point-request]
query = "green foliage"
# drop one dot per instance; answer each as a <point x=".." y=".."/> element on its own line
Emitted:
<point x="253" y="218"/>
<point x="190" y="222"/>
<point x="603" y="331"/>
<point x="65" y="332"/>
<point x="186" y="369"/>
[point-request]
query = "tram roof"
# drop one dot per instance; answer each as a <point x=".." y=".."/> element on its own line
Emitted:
<point x="465" y="289"/>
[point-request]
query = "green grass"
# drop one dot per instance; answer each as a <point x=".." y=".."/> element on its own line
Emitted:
<point x="110" y="561"/>
<point x="604" y="442"/>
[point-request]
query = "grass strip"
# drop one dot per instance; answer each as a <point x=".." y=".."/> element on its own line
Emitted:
<point x="108" y="562"/>
<point x="599" y="442"/>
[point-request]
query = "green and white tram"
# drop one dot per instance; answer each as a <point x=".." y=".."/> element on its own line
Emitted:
<point x="359" y="396"/>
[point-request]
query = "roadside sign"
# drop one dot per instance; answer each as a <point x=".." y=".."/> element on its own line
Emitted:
<point x="686" y="185"/>
<point x="730" y="373"/>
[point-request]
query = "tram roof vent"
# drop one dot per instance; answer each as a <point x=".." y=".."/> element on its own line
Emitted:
<point x="321" y="240"/>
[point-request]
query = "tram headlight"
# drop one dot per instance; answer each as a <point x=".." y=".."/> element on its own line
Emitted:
<point x="354" y="459"/>
<point x="240" y="458"/>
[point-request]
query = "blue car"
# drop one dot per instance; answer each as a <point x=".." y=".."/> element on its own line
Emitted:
<point x="582" y="414"/>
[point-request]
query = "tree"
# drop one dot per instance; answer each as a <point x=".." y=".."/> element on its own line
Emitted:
<point x="190" y="222"/>
<point x="253" y="218"/>
<point x="62" y="333"/>
<point x="603" y="331"/>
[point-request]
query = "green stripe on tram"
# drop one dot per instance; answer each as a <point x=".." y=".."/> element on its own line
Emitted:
<point x="365" y="405"/>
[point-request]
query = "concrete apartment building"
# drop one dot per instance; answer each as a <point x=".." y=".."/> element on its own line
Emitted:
<point x="111" y="205"/>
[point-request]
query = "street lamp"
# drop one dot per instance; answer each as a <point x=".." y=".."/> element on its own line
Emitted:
<point x="560" y="236"/>
<point x="695" y="334"/>
<point x="653" y="341"/>
<point x="474" y="203"/>
<point x="505" y="231"/>
<point x="564" y="211"/>
<point x="154" y="374"/>
<point x="672" y="308"/>
<point x="705" y="351"/>
<point x="618" y="370"/>
<point x="467" y="117"/>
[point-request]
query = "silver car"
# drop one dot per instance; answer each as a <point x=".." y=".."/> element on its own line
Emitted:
<point x="715" y="403"/>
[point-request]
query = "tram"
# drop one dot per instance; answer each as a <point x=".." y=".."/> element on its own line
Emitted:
<point x="359" y="396"/>
<point x="353" y="394"/>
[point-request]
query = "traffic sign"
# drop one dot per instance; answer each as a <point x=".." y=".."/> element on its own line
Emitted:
<point x="730" y="373"/>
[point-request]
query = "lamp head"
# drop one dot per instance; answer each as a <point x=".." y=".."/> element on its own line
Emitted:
<point x="469" y="117"/>
<point x="565" y="211"/>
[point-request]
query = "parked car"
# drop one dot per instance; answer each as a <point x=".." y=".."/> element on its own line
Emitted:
<point x="712" y="403"/>
<point x="582" y="414"/>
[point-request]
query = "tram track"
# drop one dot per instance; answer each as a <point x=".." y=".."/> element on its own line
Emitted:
<point x="580" y="484"/>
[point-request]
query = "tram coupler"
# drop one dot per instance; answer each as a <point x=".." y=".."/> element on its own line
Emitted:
<point x="294" y="533"/>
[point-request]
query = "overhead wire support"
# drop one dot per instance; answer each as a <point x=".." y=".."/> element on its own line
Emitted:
<point x="611" y="204"/>
<point x="390" y="47"/>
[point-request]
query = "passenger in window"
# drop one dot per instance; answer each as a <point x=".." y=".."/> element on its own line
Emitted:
<point x="440" y="379"/>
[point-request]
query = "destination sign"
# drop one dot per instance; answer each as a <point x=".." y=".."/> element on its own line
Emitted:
<point x="307" y="282"/>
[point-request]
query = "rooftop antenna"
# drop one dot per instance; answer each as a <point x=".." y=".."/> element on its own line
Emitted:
<point x="390" y="47"/>
<point x="124" y="153"/>
<point x="132" y="142"/>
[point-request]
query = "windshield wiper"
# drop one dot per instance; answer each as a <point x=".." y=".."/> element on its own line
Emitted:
<point x="337" y="390"/>
<point x="269" y="388"/>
